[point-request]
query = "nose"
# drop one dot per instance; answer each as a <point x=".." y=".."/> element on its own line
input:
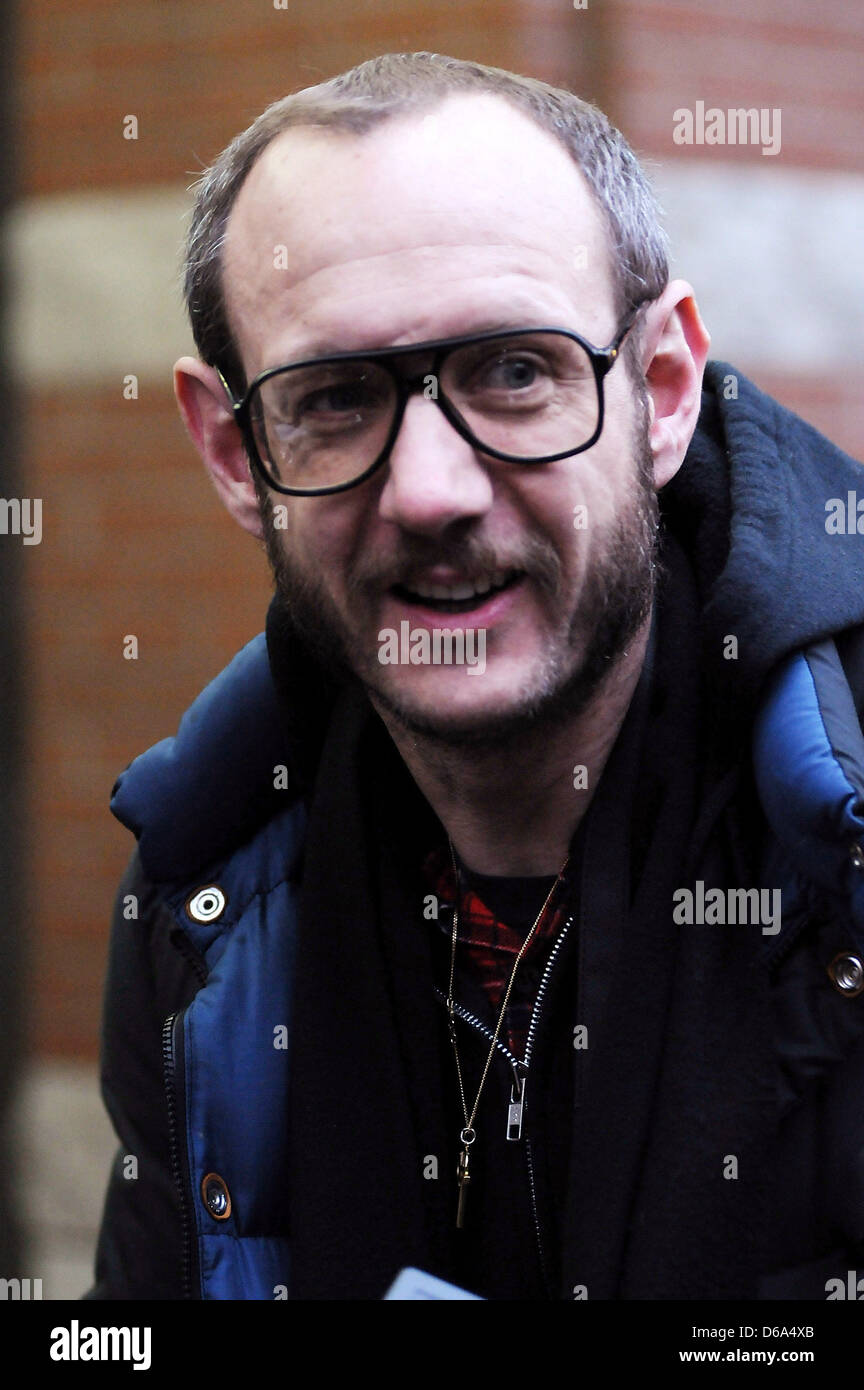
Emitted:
<point x="434" y="476"/>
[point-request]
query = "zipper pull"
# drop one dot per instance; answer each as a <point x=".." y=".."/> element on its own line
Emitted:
<point x="516" y="1108"/>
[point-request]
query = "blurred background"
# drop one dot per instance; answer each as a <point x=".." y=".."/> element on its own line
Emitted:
<point x="108" y="112"/>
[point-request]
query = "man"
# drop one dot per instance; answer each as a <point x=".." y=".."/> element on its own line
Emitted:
<point x="502" y="915"/>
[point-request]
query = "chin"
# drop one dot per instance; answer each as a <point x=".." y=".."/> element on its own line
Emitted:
<point x="485" y="717"/>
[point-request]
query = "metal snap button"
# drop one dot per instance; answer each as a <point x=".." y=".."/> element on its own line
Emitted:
<point x="857" y="855"/>
<point x="846" y="973"/>
<point x="216" y="1197"/>
<point x="207" y="904"/>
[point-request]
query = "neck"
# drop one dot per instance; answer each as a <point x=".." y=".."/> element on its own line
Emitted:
<point x="513" y="811"/>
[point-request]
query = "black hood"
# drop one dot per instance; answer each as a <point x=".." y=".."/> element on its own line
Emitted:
<point x="749" y="508"/>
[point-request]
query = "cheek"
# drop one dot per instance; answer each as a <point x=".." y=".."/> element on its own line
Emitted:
<point x="320" y="542"/>
<point x="607" y="480"/>
<point x="586" y="507"/>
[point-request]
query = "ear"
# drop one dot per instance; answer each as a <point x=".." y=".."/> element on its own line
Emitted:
<point x="674" y="351"/>
<point x="209" y="420"/>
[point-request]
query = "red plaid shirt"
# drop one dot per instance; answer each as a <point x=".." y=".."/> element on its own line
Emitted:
<point x="492" y="946"/>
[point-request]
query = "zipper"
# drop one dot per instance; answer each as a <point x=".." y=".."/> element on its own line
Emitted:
<point x="517" y="1091"/>
<point x="468" y="1017"/>
<point x="529" y="1048"/>
<point x="170" y="1074"/>
<point x="519" y="1067"/>
<point x="520" y="1070"/>
<point x="538" y="1002"/>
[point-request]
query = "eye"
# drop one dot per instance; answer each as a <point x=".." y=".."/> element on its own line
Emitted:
<point x="512" y="373"/>
<point x="516" y="368"/>
<point x="322" y="396"/>
<point x="339" y="398"/>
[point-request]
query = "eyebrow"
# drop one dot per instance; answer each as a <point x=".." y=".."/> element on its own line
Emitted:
<point x="329" y="347"/>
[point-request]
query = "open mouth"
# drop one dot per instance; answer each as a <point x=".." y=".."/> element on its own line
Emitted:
<point x="461" y="597"/>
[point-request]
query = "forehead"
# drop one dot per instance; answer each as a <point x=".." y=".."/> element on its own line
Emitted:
<point x="465" y="217"/>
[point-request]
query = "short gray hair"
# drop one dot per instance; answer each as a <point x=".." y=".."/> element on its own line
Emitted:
<point x="395" y="84"/>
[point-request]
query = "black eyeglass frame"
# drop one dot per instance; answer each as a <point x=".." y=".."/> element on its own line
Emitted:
<point x="602" y="360"/>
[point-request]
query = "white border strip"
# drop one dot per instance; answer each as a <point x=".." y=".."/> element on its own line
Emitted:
<point x="774" y="255"/>
<point x="96" y="286"/>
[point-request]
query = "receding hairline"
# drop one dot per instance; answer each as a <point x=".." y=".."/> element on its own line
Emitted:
<point x="417" y="111"/>
<point x="380" y="89"/>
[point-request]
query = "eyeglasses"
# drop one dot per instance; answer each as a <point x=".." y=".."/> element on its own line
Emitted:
<point x="527" y="395"/>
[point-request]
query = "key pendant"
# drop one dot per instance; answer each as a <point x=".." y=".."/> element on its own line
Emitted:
<point x="463" y="1177"/>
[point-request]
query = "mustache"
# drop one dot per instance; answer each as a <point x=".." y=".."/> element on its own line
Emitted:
<point x="472" y="557"/>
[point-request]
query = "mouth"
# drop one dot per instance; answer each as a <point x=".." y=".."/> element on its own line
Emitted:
<point x="459" y="597"/>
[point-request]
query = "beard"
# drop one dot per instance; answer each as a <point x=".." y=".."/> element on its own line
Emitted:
<point x="614" y="603"/>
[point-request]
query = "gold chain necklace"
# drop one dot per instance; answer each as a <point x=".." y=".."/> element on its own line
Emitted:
<point x="468" y="1133"/>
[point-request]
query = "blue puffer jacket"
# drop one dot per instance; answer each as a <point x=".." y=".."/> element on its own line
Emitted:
<point x="200" y="980"/>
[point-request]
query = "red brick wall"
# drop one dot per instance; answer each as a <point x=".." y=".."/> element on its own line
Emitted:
<point x="804" y="58"/>
<point x="640" y="59"/>
<point x="197" y="71"/>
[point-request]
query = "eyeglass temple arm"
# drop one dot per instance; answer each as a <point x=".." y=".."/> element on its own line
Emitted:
<point x="227" y="389"/>
<point x="615" y="346"/>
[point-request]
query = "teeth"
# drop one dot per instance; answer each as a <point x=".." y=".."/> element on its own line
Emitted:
<point x="464" y="590"/>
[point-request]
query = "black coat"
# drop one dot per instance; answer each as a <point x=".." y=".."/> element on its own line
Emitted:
<point x="709" y="1143"/>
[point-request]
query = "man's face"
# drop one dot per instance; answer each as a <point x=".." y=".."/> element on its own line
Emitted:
<point x="467" y="219"/>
